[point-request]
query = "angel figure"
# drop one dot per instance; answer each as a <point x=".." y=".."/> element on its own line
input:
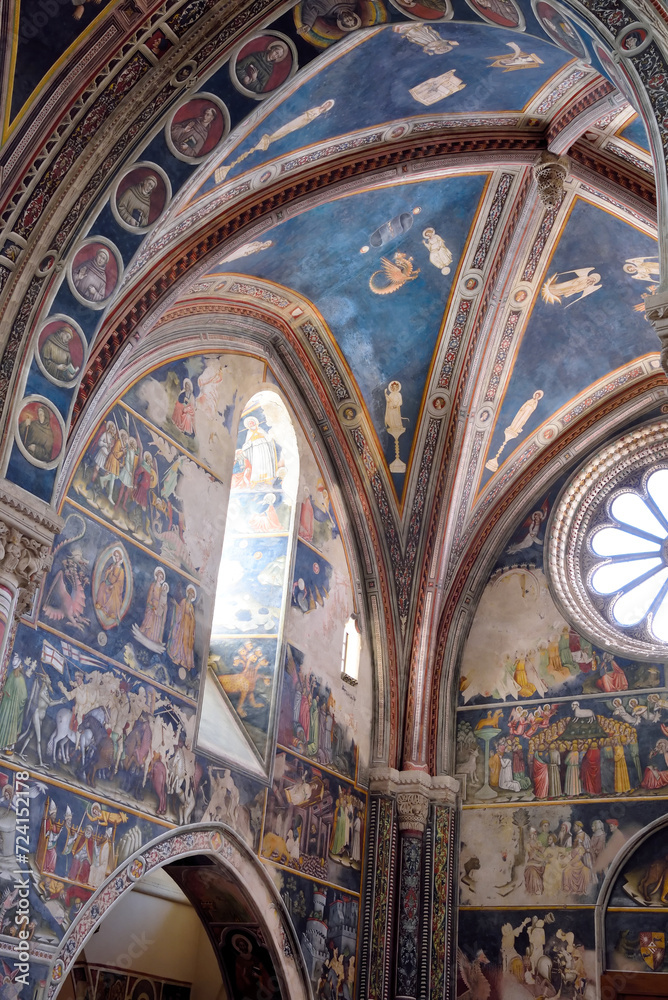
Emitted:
<point x="584" y="283"/>
<point x="516" y="426"/>
<point x="643" y="268"/>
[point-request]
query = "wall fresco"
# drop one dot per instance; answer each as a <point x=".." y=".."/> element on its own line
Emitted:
<point x="101" y="698"/>
<point x="313" y="823"/>
<point x="232" y="924"/>
<point x="326" y="922"/>
<point x="542" y="953"/>
<point x="562" y="754"/>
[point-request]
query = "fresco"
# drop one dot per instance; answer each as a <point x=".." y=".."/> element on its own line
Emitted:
<point x="313" y="823"/>
<point x="643" y="880"/>
<point x="552" y="854"/>
<point x="568" y="749"/>
<point x="150" y="489"/>
<point x="20" y="983"/>
<point x="140" y="197"/>
<point x="103" y="689"/>
<point x="195" y="401"/>
<point x="263" y="64"/>
<point x="326" y="922"/>
<point x="102" y="592"/>
<point x="74" y="842"/>
<point x="197" y="127"/>
<point x="561" y="751"/>
<point x="109" y="984"/>
<point x="636" y="942"/>
<point x="586" y="292"/>
<point x="410" y="50"/>
<point x="312" y="723"/>
<point x="514" y="955"/>
<point x="384" y="280"/>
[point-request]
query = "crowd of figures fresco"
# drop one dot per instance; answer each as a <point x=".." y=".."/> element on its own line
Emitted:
<point x="562" y="753"/>
<point x="101" y="698"/>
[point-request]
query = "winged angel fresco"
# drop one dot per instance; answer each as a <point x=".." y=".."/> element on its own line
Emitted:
<point x="584" y="283"/>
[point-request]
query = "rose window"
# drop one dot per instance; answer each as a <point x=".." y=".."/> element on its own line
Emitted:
<point x="607" y="547"/>
<point x="634" y="575"/>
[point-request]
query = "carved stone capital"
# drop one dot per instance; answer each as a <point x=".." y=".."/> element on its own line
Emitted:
<point x="432" y="788"/>
<point x="550" y="172"/>
<point x="413" y="809"/>
<point x="27" y="530"/>
<point x="656" y="311"/>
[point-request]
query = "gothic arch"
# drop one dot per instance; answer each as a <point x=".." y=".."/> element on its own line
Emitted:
<point x="230" y="852"/>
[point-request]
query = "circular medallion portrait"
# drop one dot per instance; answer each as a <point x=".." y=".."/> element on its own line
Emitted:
<point x="197" y="127"/>
<point x="95" y="271"/>
<point x="39" y="432"/>
<point x="557" y="26"/>
<point x="61" y="350"/>
<point x="504" y="13"/>
<point x="262" y="64"/>
<point x="323" y="22"/>
<point x="425" y="10"/>
<point x="140" y="197"/>
<point x="633" y="40"/>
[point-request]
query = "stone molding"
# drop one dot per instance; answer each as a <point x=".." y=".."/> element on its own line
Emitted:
<point x="656" y="311"/>
<point x="27" y="529"/>
<point x="413" y="791"/>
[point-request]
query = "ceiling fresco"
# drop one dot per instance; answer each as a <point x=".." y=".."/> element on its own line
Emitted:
<point x="478" y="68"/>
<point x="44" y="33"/>
<point x="588" y="319"/>
<point x="636" y="132"/>
<point x="379" y="266"/>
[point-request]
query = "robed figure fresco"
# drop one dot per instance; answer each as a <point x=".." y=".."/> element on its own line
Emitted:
<point x="181" y="642"/>
<point x="261" y="453"/>
<point x="56" y="356"/>
<point x="111" y="592"/>
<point x="150" y="632"/>
<point x="37" y="435"/>
<point x="190" y="136"/>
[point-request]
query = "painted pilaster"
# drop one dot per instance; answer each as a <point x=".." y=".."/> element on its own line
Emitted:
<point x="412" y="809"/>
<point x="27" y="529"/>
<point x="379" y="896"/>
<point x="408" y="917"/>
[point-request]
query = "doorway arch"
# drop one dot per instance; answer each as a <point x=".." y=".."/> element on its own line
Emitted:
<point x="213" y="841"/>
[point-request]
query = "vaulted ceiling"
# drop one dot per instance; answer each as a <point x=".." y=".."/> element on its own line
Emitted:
<point x="364" y="203"/>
